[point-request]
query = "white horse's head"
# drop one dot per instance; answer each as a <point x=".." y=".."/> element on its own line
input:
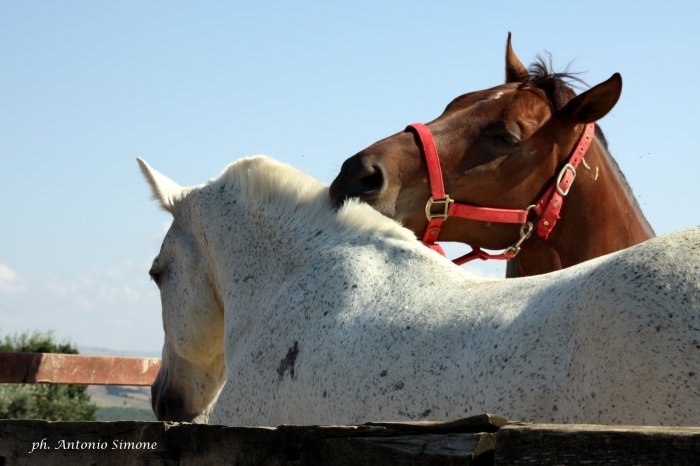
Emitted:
<point x="192" y="371"/>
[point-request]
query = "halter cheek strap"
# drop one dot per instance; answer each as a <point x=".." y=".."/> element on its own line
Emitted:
<point x="547" y="207"/>
<point x="550" y="203"/>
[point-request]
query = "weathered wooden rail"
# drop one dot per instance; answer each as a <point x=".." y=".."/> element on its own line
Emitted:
<point x="479" y="441"/>
<point x="77" y="369"/>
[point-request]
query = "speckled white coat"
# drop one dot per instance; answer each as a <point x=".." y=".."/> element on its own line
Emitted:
<point x="300" y="314"/>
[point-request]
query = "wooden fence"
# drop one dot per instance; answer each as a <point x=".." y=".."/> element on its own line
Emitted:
<point x="77" y="369"/>
<point x="480" y="440"/>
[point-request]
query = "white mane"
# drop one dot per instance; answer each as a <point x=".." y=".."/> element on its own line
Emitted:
<point x="264" y="180"/>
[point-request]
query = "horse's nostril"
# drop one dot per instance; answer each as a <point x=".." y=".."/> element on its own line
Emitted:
<point x="357" y="179"/>
<point x="374" y="181"/>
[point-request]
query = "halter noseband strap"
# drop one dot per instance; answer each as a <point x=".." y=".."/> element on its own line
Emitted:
<point x="547" y="207"/>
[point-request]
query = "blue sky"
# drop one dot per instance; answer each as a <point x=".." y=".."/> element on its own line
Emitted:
<point x="86" y="87"/>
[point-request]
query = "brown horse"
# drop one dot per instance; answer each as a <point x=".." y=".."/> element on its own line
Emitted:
<point x="502" y="148"/>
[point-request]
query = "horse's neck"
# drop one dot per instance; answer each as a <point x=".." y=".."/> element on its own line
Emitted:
<point x="245" y="251"/>
<point x="598" y="217"/>
<point x="256" y="256"/>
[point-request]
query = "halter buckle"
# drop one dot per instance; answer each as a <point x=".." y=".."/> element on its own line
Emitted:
<point x="429" y="205"/>
<point x="568" y="166"/>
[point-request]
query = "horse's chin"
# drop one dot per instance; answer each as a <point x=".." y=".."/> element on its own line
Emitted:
<point x="381" y="204"/>
<point x="387" y="212"/>
<point x="201" y="418"/>
<point x="194" y="418"/>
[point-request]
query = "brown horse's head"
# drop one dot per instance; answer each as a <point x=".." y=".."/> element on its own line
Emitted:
<point x="498" y="147"/>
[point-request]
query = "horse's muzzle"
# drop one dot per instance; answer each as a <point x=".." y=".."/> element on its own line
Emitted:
<point x="168" y="404"/>
<point x="358" y="177"/>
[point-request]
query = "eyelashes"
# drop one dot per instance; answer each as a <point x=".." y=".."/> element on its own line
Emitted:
<point x="507" y="138"/>
<point x="155" y="275"/>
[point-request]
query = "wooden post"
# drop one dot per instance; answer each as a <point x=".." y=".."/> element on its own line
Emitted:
<point x="571" y="444"/>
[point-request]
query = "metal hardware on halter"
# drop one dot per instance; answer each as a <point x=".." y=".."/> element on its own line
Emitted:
<point x="568" y="166"/>
<point x="547" y="207"/>
<point x="525" y="232"/>
<point x="428" y="208"/>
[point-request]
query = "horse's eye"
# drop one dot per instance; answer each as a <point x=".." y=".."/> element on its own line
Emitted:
<point x="155" y="276"/>
<point x="508" y="139"/>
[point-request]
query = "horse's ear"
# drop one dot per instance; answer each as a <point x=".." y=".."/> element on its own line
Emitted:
<point x="165" y="190"/>
<point x="515" y="71"/>
<point x="596" y="102"/>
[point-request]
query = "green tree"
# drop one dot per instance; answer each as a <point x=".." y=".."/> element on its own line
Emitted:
<point x="43" y="401"/>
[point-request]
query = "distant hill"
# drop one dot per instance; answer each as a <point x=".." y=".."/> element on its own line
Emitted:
<point x="124" y="413"/>
<point x="114" y="395"/>
<point x="121" y="403"/>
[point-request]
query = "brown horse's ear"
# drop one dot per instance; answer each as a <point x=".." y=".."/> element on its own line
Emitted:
<point x="596" y="102"/>
<point x="515" y="71"/>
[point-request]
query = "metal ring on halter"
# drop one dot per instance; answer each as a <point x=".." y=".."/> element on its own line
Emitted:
<point x="428" y="206"/>
<point x="568" y="166"/>
<point x="529" y="208"/>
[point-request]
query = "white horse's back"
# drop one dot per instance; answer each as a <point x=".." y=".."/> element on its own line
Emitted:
<point x="330" y="320"/>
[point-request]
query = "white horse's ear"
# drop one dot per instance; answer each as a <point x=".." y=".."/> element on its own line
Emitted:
<point x="165" y="190"/>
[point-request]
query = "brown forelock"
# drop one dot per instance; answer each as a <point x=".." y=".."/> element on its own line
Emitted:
<point x="555" y="85"/>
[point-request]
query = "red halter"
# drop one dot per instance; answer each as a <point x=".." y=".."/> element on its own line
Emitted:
<point x="547" y="207"/>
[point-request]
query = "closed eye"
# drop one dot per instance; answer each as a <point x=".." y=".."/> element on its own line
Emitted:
<point x="507" y="138"/>
<point x="155" y="275"/>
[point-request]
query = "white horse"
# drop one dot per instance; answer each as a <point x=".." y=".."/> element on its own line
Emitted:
<point x="289" y="311"/>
